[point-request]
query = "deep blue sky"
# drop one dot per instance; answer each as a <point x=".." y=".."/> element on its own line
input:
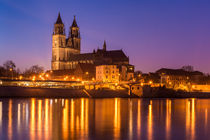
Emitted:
<point x="153" y="33"/>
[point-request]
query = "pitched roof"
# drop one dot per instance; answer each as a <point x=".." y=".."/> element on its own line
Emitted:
<point x="59" y="20"/>
<point x="84" y="56"/>
<point x="87" y="67"/>
<point x="74" y="24"/>
<point x="116" y="55"/>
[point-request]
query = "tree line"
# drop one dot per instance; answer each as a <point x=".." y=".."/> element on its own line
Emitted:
<point x="9" y="70"/>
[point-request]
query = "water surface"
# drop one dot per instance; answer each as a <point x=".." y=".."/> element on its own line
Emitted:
<point x="41" y="119"/>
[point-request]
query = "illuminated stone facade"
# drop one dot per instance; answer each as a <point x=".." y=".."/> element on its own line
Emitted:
<point x="107" y="73"/>
<point x="66" y="52"/>
<point x="62" y="47"/>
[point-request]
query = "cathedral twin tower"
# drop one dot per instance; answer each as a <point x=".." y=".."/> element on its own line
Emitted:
<point x="62" y="47"/>
<point x="66" y="50"/>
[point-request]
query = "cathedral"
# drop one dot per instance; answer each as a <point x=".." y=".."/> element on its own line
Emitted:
<point x="66" y="50"/>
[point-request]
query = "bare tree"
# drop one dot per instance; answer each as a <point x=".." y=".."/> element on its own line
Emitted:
<point x="2" y="71"/>
<point x="9" y="65"/>
<point x="33" y="70"/>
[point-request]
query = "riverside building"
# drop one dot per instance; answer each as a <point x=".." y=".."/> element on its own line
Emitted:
<point x="66" y="51"/>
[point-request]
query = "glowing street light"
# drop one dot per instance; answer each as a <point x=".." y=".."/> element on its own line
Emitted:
<point x="20" y="77"/>
<point x="150" y="82"/>
<point x="33" y="78"/>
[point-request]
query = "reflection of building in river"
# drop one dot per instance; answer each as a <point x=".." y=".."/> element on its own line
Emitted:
<point x="110" y="118"/>
<point x="1" y="116"/>
<point x="168" y="119"/>
<point x="150" y="122"/>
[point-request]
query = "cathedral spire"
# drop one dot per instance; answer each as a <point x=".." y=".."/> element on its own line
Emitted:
<point x="104" y="46"/>
<point x="74" y="24"/>
<point x="59" y="20"/>
<point x="59" y="26"/>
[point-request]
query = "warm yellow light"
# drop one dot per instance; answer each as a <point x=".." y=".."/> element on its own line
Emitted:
<point x="78" y="79"/>
<point x="10" y="69"/>
<point x="142" y="84"/>
<point x="47" y="75"/>
<point x="33" y="78"/>
<point x="72" y="78"/>
<point x="93" y="79"/>
<point x="150" y="82"/>
<point x="87" y="73"/>
<point x="20" y="77"/>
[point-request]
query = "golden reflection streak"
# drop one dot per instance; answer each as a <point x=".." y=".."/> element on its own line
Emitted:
<point x="72" y="118"/>
<point x="130" y="120"/>
<point x="32" y="119"/>
<point x="39" y="119"/>
<point x="10" y="120"/>
<point x="187" y="117"/>
<point x="23" y="112"/>
<point x="86" y="115"/>
<point x="139" y="119"/>
<point x="117" y="118"/>
<point x="18" y="119"/>
<point x="1" y="112"/>
<point x="168" y="118"/>
<point x="50" y="118"/>
<point x="82" y="117"/>
<point x="206" y="118"/>
<point x="150" y="131"/>
<point x="65" y="119"/>
<point x="26" y="115"/>
<point x="46" y="119"/>
<point x="193" y="120"/>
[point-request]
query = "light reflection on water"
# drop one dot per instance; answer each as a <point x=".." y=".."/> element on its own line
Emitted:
<point x="104" y="119"/>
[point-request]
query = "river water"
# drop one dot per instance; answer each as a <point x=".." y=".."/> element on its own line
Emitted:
<point x="83" y="118"/>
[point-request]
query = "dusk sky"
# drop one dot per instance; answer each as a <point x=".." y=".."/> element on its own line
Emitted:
<point x="153" y="33"/>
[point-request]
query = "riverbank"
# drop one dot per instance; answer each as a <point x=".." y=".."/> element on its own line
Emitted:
<point x="37" y="92"/>
<point x="161" y="92"/>
<point x="27" y="92"/>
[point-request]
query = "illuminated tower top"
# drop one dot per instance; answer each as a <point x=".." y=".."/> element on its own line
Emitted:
<point x="59" y="26"/>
